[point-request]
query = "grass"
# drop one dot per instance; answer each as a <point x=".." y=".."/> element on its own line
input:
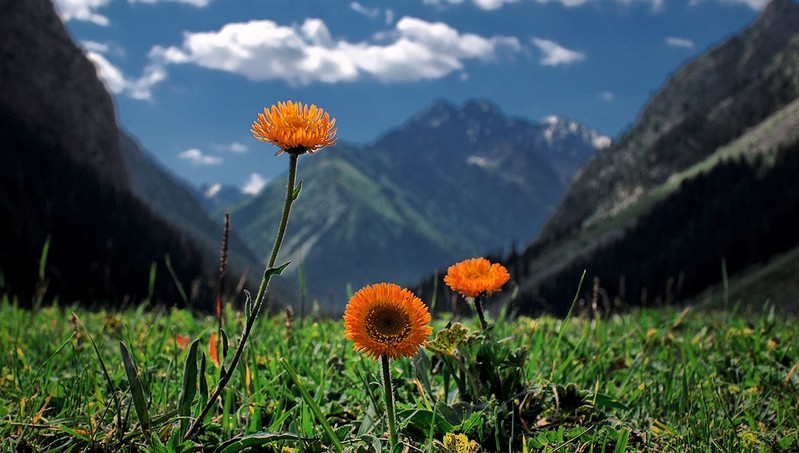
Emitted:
<point x="648" y="380"/>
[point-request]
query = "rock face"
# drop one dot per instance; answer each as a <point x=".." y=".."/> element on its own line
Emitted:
<point x="706" y="176"/>
<point x="50" y="85"/>
<point x="707" y="103"/>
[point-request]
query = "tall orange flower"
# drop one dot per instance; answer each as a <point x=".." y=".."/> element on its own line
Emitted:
<point x="476" y="276"/>
<point x="386" y="320"/>
<point x="295" y="128"/>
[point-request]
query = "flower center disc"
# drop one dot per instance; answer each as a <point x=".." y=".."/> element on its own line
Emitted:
<point x="388" y="325"/>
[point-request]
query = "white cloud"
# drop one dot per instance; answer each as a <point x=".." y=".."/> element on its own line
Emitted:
<point x="679" y="42"/>
<point x="754" y="4"/>
<point x="490" y="5"/>
<point x="197" y="3"/>
<point x="657" y="5"/>
<point x="83" y="10"/>
<point x="118" y="83"/>
<point x="607" y="96"/>
<point x="196" y="157"/>
<point x="368" y="12"/>
<point x="234" y="147"/>
<point x="554" y="54"/>
<point x="254" y="184"/>
<point x="305" y="54"/>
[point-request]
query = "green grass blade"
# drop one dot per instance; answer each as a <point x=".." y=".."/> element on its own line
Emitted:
<point x="254" y="440"/>
<point x="175" y="279"/>
<point x="43" y="258"/>
<point x="136" y="389"/>
<point x="189" y="389"/>
<point x="312" y="404"/>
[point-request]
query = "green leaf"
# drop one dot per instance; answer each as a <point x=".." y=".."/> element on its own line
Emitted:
<point x="203" y="381"/>
<point x="247" y="305"/>
<point x="621" y="440"/>
<point x="254" y="440"/>
<point x="224" y="345"/>
<point x="275" y="270"/>
<point x="425" y="420"/>
<point x="601" y="399"/>
<point x="136" y="389"/>
<point x="311" y="402"/>
<point x="297" y="190"/>
<point x="189" y="390"/>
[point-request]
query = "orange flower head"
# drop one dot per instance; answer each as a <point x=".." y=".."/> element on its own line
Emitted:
<point x="386" y="320"/>
<point x="476" y="276"/>
<point x="295" y="128"/>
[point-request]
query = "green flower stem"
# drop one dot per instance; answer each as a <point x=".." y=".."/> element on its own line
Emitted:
<point x="259" y="299"/>
<point x="389" y="389"/>
<point x="478" y="306"/>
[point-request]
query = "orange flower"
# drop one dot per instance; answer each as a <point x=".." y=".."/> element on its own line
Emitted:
<point x="295" y="128"/>
<point x="386" y="320"/>
<point x="476" y="276"/>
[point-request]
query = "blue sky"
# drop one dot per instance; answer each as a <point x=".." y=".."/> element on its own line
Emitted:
<point x="190" y="76"/>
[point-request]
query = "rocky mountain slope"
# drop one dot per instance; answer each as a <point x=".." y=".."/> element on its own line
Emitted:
<point x="449" y="184"/>
<point x="71" y="179"/>
<point x="707" y="103"/>
<point x="702" y="181"/>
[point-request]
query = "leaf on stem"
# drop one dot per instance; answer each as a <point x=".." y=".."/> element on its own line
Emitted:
<point x="297" y="190"/>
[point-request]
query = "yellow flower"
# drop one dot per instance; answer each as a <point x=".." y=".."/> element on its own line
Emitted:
<point x="386" y="320"/>
<point x="459" y="443"/>
<point x="295" y="128"/>
<point x="476" y="276"/>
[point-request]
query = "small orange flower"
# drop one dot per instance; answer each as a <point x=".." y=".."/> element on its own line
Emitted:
<point x="476" y="276"/>
<point x="295" y="128"/>
<point x="386" y="320"/>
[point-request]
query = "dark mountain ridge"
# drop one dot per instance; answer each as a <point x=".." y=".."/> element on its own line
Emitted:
<point x="708" y="102"/>
<point x="71" y="179"/>
<point x="702" y="178"/>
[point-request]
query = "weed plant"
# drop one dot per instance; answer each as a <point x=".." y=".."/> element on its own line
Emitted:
<point x="648" y="380"/>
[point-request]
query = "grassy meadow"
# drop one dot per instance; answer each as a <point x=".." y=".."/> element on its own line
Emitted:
<point x="649" y="380"/>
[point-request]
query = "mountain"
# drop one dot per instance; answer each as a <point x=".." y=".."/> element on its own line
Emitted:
<point x="217" y="197"/>
<point x="707" y="103"/>
<point x="176" y="202"/>
<point x="704" y="180"/>
<point x="448" y="184"/>
<point x="72" y="181"/>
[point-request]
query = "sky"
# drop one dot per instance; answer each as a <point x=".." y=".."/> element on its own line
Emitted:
<point x="190" y="76"/>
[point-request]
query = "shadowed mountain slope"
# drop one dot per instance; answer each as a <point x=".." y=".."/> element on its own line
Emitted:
<point x="702" y="181"/>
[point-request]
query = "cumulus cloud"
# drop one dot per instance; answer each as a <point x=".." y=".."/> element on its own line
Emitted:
<point x="554" y="54"/>
<point x="607" y="96"/>
<point x="754" y="4"/>
<point x="680" y="42"/>
<point x="490" y="5"/>
<point x="368" y="12"/>
<point x="86" y="10"/>
<point x="235" y="147"/>
<point x="197" y="3"/>
<point x="197" y="157"/>
<point x="83" y="10"/>
<point x="118" y="83"/>
<point x="307" y="53"/>
<point x="254" y="184"/>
